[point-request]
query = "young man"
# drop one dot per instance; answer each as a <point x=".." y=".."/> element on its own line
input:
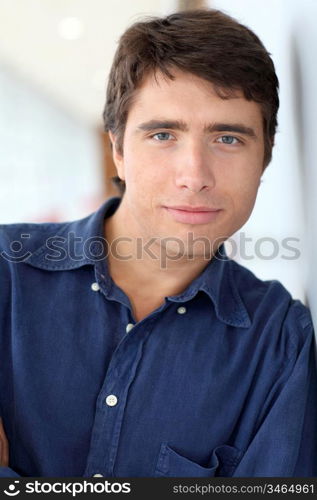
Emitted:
<point x="154" y="354"/>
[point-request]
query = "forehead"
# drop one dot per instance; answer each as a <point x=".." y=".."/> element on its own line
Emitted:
<point x="192" y="96"/>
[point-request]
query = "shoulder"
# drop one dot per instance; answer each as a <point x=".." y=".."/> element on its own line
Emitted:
<point x="18" y="241"/>
<point x="53" y="246"/>
<point x="272" y="308"/>
<point x="30" y="238"/>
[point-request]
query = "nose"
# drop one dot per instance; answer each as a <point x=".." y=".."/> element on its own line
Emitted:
<point x="194" y="171"/>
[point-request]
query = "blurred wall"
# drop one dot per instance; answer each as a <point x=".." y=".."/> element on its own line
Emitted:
<point x="49" y="160"/>
<point x="303" y="56"/>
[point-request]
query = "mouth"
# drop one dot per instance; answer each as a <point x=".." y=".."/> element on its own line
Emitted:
<point x="192" y="214"/>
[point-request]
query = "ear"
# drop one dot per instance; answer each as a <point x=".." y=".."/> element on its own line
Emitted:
<point x="117" y="156"/>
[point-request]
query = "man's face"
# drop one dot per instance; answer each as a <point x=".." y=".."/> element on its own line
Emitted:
<point x="192" y="162"/>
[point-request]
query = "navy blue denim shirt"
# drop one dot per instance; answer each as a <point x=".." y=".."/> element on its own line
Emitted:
<point x="220" y="380"/>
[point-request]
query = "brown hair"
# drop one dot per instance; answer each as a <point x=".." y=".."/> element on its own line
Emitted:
<point x="204" y="42"/>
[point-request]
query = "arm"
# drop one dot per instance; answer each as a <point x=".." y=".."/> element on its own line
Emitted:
<point x="4" y="447"/>
<point x="5" y="471"/>
<point x="285" y="444"/>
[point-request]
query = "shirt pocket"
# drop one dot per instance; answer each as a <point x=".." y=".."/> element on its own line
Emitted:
<point x="223" y="462"/>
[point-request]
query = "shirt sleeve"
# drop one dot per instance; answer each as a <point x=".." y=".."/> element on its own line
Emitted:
<point x="7" y="472"/>
<point x="285" y="444"/>
<point x="4" y="287"/>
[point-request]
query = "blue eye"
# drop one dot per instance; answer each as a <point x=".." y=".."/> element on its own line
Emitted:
<point x="162" y="136"/>
<point x="229" y="139"/>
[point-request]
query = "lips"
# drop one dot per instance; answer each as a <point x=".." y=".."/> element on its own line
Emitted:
<point x="193" y="214"/>
<point x="188" y="208"/>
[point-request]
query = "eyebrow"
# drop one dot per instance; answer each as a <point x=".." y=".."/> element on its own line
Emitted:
<point x="170" y="124"/>
<point x="238" y="128"/>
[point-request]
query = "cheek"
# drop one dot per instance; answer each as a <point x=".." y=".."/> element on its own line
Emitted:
<point x="245" y="199"/>
<point x="241" y="186"/>
<point x="143" y="172"/>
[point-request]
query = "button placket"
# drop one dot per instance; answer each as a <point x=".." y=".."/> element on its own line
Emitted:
<point x="108" y="419"/>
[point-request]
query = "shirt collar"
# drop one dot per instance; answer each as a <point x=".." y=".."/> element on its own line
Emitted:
<point x="82" y="242"/>
<point x="76" y="243"/>
<point x="218" y="283"/>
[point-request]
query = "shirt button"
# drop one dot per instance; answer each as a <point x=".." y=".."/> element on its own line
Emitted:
<point x="97" y="475"/>
<point x="181" y="310"/>
<point x="111" y="400"/>
<point x="95" y="287"/>
<point x="129" y="327"/>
